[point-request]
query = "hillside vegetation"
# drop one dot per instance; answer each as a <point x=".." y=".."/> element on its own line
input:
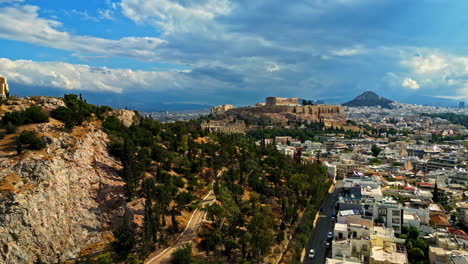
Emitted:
<point x="167" y="168"/>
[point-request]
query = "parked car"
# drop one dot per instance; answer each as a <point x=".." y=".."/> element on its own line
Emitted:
<point x="330" y="235"/>
<point x="312" y="253"/>
<point x="333" y="219"/>
<point x="327" y="244"/>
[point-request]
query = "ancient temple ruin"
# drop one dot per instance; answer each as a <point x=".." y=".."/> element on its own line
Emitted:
<point x="4" y="90"/>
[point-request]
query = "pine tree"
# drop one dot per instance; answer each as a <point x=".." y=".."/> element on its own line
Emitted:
<point x="435" y="196"/>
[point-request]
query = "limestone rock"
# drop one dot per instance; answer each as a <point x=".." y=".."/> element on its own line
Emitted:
<point x="126" y="116"/>
<point x="56" y="201"/>
<point x="20" y="104"/>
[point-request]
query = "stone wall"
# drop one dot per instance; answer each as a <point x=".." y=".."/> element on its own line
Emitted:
<point x="220" y="109"/>
<point x="272" y="101"/>
<point x="222" y="126"/>
<point x="284" y="113"/>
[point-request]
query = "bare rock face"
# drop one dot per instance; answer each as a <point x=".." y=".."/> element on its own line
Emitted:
<point x="20" y="104"/>
<point x="56" y="201"/>
<point x="127" y="117"/>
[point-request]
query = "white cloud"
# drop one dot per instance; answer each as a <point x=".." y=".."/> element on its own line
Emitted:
<point x="272" y="67"/>
<point x="108" y="13"/>
<point x="410" y="84"/>
<point x="176" y="16"/>
<point x="83" y="77"/>
<point x="357" y="50"/>
<point x="430" y="63"/>
<point x="84" y="15"/>
<point x="443" y="73"/>
<point x="31" y="28"/>
<point x="10" y="1"/>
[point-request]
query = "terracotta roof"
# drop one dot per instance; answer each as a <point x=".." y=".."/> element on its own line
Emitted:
<point x="440" y="220"/>
<point x="459" y="233"/>
<point x="425" y="184"/>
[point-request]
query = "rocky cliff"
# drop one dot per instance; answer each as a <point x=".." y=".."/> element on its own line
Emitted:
<point x="59" y="200"/>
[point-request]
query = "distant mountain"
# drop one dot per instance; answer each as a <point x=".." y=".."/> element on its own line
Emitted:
<point x="369" y="98"/>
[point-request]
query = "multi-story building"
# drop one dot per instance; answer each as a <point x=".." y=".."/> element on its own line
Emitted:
<point x="367" y="244"/>
<point x="351" y="242"/>
<point x="384" y="249"/>
<point x="438" y="255"/>
<point x="446" y="163"/>
<point x="390" y="212"/>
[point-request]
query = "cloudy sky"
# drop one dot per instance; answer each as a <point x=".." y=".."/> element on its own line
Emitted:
<point x="146" y="52"/>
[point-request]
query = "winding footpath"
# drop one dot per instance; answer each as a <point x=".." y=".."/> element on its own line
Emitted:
<point x="190" y="231"/>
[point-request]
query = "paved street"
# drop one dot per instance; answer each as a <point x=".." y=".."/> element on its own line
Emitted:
<point x="324" y="225"/>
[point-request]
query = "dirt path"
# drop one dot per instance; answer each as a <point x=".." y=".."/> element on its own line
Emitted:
<point x="189" y="233"/>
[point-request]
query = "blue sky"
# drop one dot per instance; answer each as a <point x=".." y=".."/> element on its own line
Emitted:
<point x="147" y="53"/>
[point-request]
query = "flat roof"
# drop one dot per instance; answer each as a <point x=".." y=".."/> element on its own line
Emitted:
<point x="341" y="227"/>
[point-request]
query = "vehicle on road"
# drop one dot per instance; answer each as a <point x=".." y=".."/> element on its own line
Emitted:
<point x="333" y="219"/>
<point x="327" y="244"/>
<point x="312" y="253"/>
<point x="330" y="235"/>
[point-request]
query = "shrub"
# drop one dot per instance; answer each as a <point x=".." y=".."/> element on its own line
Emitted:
<point x="182" y="255"/>
<point x="104" y="258"/>
<point x="67" y="116"/>
<point x="29" y="140"/>
<point x="10" y="128"/>
<point x="32" y="115"/>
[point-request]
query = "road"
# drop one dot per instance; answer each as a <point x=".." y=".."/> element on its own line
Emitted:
<point x="190" y="231"/>
<point x="324" y="225"/>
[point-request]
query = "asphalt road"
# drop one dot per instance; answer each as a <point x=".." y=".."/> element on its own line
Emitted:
<point x="324" y="225"/>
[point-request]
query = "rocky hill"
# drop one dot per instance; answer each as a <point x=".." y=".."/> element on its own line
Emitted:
<point x="283" y="114"/>
<point x="58" y="201"/>
<point x="369" y="98"/>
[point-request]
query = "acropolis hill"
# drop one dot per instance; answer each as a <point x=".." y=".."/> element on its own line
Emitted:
<point x="277" y="110"/>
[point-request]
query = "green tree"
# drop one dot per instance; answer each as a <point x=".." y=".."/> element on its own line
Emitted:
<point x="124" y="239"/>
<point x="375" y="150"/>
<point x="435" y="196"/>
<point x="261" y="235"/>
<point x="182" y="255"/>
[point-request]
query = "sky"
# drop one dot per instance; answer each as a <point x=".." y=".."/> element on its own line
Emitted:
<point x="151" y="54"/>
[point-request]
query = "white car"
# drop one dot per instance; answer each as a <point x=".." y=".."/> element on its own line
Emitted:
<point x="330" y="235"/>
<point x="312" y="253"/>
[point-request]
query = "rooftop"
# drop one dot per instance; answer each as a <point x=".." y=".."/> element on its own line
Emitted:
<point x="381" y="255"/>
<point x="349" y="212"/>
